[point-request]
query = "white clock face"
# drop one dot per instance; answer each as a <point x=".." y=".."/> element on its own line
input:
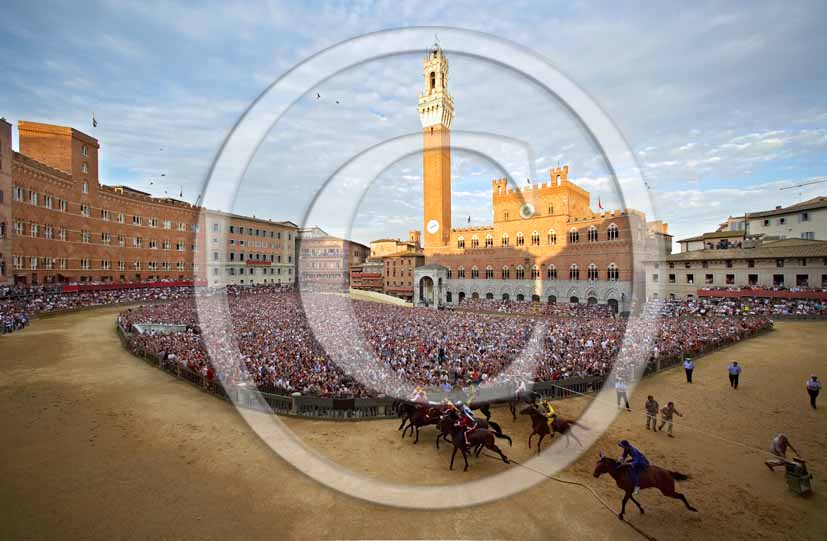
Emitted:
<point x="432" y="227"/>
<point x="527" y="210"/>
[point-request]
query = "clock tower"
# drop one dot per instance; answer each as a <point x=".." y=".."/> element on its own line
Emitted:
<point x="436" y="111"/>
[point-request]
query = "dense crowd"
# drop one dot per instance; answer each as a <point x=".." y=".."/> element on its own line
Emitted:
<point x="280" y="350"/>
<point x="18" y="306"/>
<point x="534" y="307"/>
<point x="737" y="306"/>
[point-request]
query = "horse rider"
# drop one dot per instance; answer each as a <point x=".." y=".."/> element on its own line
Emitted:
<point x="419" y="395"/>
<point x="466" y="420"/>
<point x="637" y="463"/>
<point x="548" y="412"/>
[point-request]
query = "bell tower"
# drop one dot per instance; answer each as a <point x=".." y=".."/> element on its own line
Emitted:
<point x="436" y="111"/>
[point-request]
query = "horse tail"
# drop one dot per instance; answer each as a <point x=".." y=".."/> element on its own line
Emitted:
<point x="678" y="476"/>
<point x="498" y="432"/>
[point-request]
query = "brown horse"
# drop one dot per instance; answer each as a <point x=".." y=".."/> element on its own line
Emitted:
<point x="477" y="439"/>
<point x="539" y="426"/>
<point x="423" y="416"/>
<point x="651" y="477"/>
<point x="446" y="428"/>
<point x="526" y="397"/>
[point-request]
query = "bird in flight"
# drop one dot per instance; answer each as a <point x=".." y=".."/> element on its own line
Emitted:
<point x="318" y="96"/>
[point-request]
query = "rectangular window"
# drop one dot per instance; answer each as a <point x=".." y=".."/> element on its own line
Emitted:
<point x="779" y="262"/>
<point x="778" y="280"/>
<point x="782" y="221"/>
<point x="33" y="198"/>
<point x="766" y="223"/>
<point x="654" y="277"/>
<point x="708" y="279"/>
<point x="751" y="263"/>
<point x="808" y="235"/>
<point x="730" y="279"/>
<point x="18" y="193"/>
<point x="671" y="278"/>
<point x="805" y="216"/>
<point x="690" y="278"/>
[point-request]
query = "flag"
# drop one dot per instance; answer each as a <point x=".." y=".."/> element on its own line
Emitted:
<point x="599" y="204"/>
<point x="181" y="193"/>
<point x="94" y="122"/>
<point x="528" y="180"/>
<point x="469" y="219"/>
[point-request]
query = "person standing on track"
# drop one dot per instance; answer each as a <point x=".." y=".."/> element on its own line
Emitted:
<point x="778" y="448"/>
<point x="813" y="387"/>
<point x="620" y="391"/>
<point x="734" y="370"/>
<point x="666" y="418"/>
<point x="652" y="407"/>
<point x="688" y="366"/>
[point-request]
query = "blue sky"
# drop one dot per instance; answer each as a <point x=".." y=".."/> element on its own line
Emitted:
<point x="722" y="104"/>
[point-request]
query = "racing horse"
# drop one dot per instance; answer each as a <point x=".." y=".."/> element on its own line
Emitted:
<point x="477" y="439"/>
<point x="526" y="397"/>
<point x="446" y="428"/>
<point x="539" y="426"/>
<point x="422" y="416"/>
<point x="651" y="477"/>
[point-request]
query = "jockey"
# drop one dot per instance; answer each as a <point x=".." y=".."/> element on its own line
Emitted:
<point x="419" y="395"/>
<point x="466" y="420"/>
<point x="548" y="411"/>
<point x="521" y="389"/>
<point x="637" y="461"/>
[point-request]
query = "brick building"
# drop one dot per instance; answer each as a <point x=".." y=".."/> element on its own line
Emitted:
<point x="399" y="273"/>
<point x="545" y="243"/>
<point x="58" y="223"/>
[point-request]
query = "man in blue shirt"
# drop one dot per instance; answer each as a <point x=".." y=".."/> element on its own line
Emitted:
<point x="637" y="463"/>
<point x="688" y="366"/>
<point x="734" y="370"/>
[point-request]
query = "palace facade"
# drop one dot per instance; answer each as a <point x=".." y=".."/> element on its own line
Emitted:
<point x="545" y="243"/>
<point x="58" y="223"/>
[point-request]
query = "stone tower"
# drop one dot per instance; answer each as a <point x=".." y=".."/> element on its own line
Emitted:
<point x="436" y="111"/>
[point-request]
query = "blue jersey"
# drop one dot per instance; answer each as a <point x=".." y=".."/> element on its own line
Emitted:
<point x="637" y="456"/>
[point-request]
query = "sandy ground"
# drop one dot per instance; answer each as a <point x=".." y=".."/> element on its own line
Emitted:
<point x="97" y="444"/>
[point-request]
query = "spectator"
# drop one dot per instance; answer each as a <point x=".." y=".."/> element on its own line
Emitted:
<point x="734" y="370"/>
<point x="813" y="387"/>
<point x="689" y="367"/>
<point x="652" y="413"/>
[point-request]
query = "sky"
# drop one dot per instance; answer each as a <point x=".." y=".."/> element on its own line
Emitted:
<point x="721" y="104"/>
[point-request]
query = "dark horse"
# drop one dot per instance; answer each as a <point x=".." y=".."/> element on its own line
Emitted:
<point x="446" y="428"/>
<point x="477" y="439"/>
<point x="421" y="416"/>
<point x="651" y="477"/>
<point x="539" y="425"/>
<point x="526" y="397"/>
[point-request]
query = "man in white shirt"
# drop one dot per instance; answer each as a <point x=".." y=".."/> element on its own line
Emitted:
<point x="813" y="387"/>
<point x="620" y="391"/>
<point x="778" y="448"/>
<point x="688" y="366"/>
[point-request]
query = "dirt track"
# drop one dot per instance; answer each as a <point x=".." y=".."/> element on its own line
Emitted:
<point x="98" y="444"/>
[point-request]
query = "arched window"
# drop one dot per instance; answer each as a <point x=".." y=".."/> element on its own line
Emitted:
<point x="535" y="238"/>
<point x="475" y="242"/>
<point x="489" y="296"/>
<point x="613" y="232"/>
<point x="449" y="273"/>
<point x="574" y="272"/>
<point x="506" y="272"/>
<point x="574" y="236"/>
<point x="592" y="233"/>
<point x="551" y="273"/>
<point x="475" y="272"/>
<point x="535" y="272"/>
<point x="552" y="237"/>
<point x="489" y="272"/>
<point x="592" y="271"/>
<point x="461" y="242"/>
<point x="460" y="272"/>
<point x="505" y="239"/>
<point x="489" y="241"/>
<point x="505" y="215"/>
<point x="613" y="273"/>
<point x="520" y="272"/>
<point x="520" y="239"/>
<point x="433" y="80"/>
